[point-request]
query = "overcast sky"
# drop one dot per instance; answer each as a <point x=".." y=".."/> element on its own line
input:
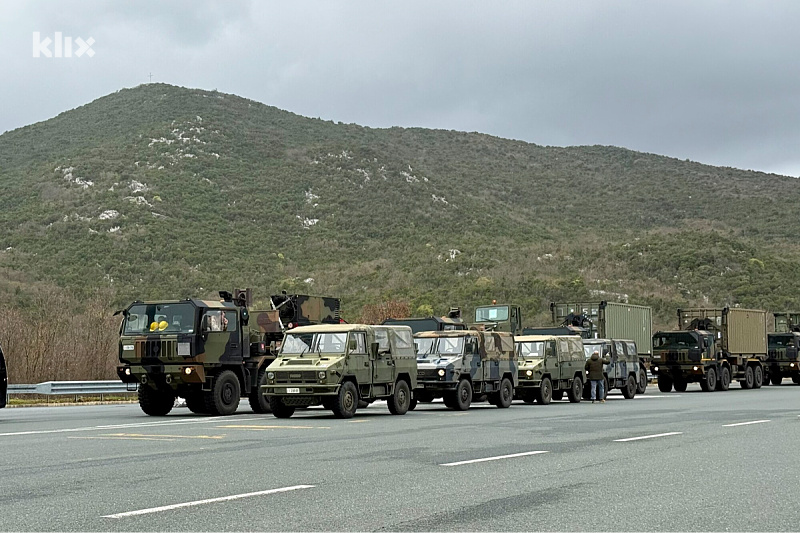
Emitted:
<point x="711" y="81"/>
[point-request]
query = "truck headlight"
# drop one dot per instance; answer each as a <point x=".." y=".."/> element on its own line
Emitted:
<point x="529" y="373"/>
<point x="791" y="365"/>
<point x="694" y="368"/>
<point x="441" y="372"/>
<point x="127" y="371"/>
<point x="655" y="369"/>
<point x="271" y="375"/>
<point x="322" y="375"/>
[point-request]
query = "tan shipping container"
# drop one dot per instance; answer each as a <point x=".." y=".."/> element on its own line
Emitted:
<point x="743" y="331"/>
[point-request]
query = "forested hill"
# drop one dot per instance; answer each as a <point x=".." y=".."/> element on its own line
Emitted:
<point x="164" y="191"/>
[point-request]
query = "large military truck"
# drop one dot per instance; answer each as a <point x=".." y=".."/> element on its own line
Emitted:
<point x="3" y="379"/>
<point x="211" y="353"/>
<point x="451" y="322"/>
<point x="549" y="365"/>
<point x="606" y="320"/>
<point x="339" y="365"/>
<point x="503" y="317"/>
<point x="712" y="347"/>
<point x="465" y="366"/>
<point x="782" y="349"/>
<point x="624" y="369"/>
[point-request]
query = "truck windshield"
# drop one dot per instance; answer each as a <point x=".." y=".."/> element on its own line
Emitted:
<point x="497" y="313"/>
<point x="154" y="319"/>
<point x="781" y="341"/>
<point x="424" y="346"/>
<point x="530" y="349"/>
<point x="313" y="343"/>
<point x="675" y="341"/>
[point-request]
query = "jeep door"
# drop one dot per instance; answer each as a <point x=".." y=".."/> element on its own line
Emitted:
<point x="383" y="369"/>
<point x="359" y="363"/>
<point x="472" y="358"/>
<point x="566" y="362"/>
<point x="552" y="361"/>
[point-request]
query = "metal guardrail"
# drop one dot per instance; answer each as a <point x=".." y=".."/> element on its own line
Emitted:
<point x="70" y="387"/>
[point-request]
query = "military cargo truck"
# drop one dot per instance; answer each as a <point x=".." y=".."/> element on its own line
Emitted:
<point x="610" y="320"/>
<point x="712" y="347"/>
<point x="496" y="317"/>
<point x="549" y="365"/>
<point x="782" y="361"/>
<point x="432" y="323"/>
<point x="465" y="366"/>
<point x="339" y="365"/>
<point x="787" y="321"/>
<point x="209" y="352"/>
<point x="623" y="372"/>
<point x="3" y="379"/>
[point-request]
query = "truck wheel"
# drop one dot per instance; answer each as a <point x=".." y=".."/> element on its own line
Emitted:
<point x="642" y="385"/>
<point x="747" y="382"/>
<point x="258" y="402"/>
<point x="401" y="399"/>
<point x="629" y="390"/>
<point x="680" y="385"/>
<point x="776" y="378"/>
<point x="346" y="403"/>
<point x="709" y="381"/>
<point x="575" y="391"/>
<point x="463" y="396"/>
<point x="505" y="395"/>
<point x="280" y="409"/>
<point x="664" y="383"/>
<point x="758" y="377"/>
<point x="545" y="393"/>
<point x="223" y="398"/>
<point x="724" y="378"/>
<point x="195" y="403"/>
<point x="155" y="402"/>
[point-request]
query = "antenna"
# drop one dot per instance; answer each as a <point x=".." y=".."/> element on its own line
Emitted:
<point x="151" y="77"/>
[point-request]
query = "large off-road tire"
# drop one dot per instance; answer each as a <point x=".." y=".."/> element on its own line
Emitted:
<point x="641" y="386"/>
<point x="724" y="378"/>
<point x="346" y="403"/>
<point x="630" y="388"/>
<point x="280" y="409"/>
<point x="749" y="378"/>
<point x="709" y="381"/>
<point x="223" y="398"/>
<point x="544" y="394"/>
<point x="664" y="383"/>
<point x="155" y="402"/>
<point x="680" y="385"/>
<point x="196" y="403"/>
<point x="463" y="395"/>
<point x="258" y="402"/>
<point x="758" y="377"/>
<point x="575" y="391"/>
<point x="401" y="399"/>
<point x="776" y="378"/>
<point x="505" y="395"/>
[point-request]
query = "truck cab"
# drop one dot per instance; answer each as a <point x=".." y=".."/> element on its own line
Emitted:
<point x="504" y="317"/>
<point x="782" y="357"/>
<point x="549" y="365"/>
<point x="689" y="350"/>
<point x="622" y="372"/>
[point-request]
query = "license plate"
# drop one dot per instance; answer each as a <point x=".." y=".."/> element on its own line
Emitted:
<point x="420" y="385"/>
<point x="292" y="391"/>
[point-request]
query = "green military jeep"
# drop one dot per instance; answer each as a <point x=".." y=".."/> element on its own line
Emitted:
<point x="339" y="365"/>
<point x="624" y="369"/>
<point x="550" y="365"/>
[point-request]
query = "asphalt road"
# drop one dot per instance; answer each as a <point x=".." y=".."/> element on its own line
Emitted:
<point x="112" y="468"/>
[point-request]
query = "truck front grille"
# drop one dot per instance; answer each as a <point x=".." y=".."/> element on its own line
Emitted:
<point x="157" y="349"/>
<point x="302" y="376"/>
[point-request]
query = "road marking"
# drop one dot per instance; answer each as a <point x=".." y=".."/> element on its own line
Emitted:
<point x="165" y="436"/>
<point x="210" y="500"/>
<point x="640" y="397"/>
<point x="523" y="454"/>
<point x="650" y="436"/>
<point x="357" y="421"/>
<point x="207" y="420"/>
<point x="745" y="423"/>
<point x="254" y="426"/>
<point x="123" y="438"/>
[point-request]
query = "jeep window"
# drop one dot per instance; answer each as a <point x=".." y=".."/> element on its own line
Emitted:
<point x="471" y="345"/>
<point x="451" y="345"/>
<point x="314" y="343"/>
<point x="675" y="341"/>
<point x="231" y="317"/>
<point x="576" y="349"/>
<point x="425" y="345"/>
<point x="491" y="314"/>
<point x="402" y="339"/>
<point x="357" y="343"/>
<point x="563" y="350"/>
<point x="618" y="348"/>
<point x="601" y="348"/>
<point x="530" y="349"/>
<point x="159" y="318"/>
<point x="297" y="344"/>
<point x="631" y="348"/>
<point x="489" y="343"/>
<point x="382" y="338"/>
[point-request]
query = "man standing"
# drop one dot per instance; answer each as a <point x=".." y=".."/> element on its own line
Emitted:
<point x="594" y="372"/>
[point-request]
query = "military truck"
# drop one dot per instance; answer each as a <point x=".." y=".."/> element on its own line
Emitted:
<point x="787" y="321"/>
<point x="504" y="317"/>
<point x="3" y="379"/>
<point x="338" y="365"/>
<point x="712" y="347"/>
<point x="465" y="366"/>
<point x="624" y="370"/>
<point x="782" y="361"/>
<point x="211" y="353"/>
<point x="549" y="365"/>
<point x="450" y="322"/>
<point x="609" y="320"/>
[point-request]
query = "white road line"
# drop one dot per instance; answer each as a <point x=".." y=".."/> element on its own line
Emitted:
<point x="641" y="397"/>
<point x="745" y="423"/>
<point x="523" y="454"/>
<point x="649" y="436"/>
<point x="207" y="420"/>
<point x="210" y="500"/>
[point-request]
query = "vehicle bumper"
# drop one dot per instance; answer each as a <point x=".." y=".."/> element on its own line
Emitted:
<point x="172" y="375"/>
<point x="437" y="385"/>
<point x="301" y="389"/>
<point x="688" y="372"/>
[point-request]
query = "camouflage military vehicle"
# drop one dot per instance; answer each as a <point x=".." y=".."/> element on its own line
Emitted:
<point x="712" y="347"/>
<point x="339" y="365"/>
<point x="782" y="361"/>
<point x="549" y="365"/>
<point x="3" y="379"/>
<point x="623" y="372"/>
<point x="465" y="366"/>
<point x="432" y="323"/>
<point x="209" y="352"/>
<point x="496" y="317"/>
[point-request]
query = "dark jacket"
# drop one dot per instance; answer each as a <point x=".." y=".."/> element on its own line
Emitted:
<point x="595" y="366"/>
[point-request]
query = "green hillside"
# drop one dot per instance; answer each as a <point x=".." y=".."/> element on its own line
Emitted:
<point x="164" y="191"/>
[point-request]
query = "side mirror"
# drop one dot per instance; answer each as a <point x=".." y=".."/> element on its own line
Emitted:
<point x="373" y="350"/>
